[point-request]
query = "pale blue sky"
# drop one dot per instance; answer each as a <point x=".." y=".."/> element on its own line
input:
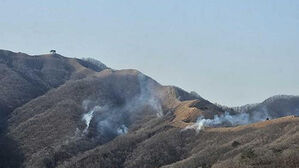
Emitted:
<point x="231" y="52"/>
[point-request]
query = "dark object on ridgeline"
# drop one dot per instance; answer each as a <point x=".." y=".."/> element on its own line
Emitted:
<point x="267" y="119"/>
<point x="53" y="51"/>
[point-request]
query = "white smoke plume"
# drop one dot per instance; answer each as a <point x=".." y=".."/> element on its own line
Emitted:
<point x="88" y="116"/>
<point x="122" y="130"/>
<point x="111" y="119"/>
<point x="147" y="95"/>
<point x="227" y="119"/>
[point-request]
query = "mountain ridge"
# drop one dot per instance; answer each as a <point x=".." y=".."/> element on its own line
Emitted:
<point x="80" y="113"/>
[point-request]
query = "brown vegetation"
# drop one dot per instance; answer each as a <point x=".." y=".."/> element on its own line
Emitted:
<point x="42" y="98"/>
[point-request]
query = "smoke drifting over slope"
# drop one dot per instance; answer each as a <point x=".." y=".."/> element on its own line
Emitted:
<point x="228" y="119"/>
<point x="88" y="116"/>
<point x="106" y="121"/>
<point x="222" y="120"/>
<point x="273" y="107"/>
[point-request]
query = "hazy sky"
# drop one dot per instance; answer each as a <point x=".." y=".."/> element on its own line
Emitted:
<point x="230" y="52"/>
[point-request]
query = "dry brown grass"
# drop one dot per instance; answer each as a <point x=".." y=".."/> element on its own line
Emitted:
<point x="46" y="126"/>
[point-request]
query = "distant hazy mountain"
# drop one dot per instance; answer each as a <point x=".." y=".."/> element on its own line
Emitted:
<point x="273" y="107"/>
<point x="61" y="112"/>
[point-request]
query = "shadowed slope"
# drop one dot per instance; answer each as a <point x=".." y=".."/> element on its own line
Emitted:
<point x="23" y="78"/>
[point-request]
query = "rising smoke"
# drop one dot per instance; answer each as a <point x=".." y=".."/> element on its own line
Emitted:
<point x="228" y="119"/>
<point x="88" y="116"/>
<point x="110" y="120"/>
